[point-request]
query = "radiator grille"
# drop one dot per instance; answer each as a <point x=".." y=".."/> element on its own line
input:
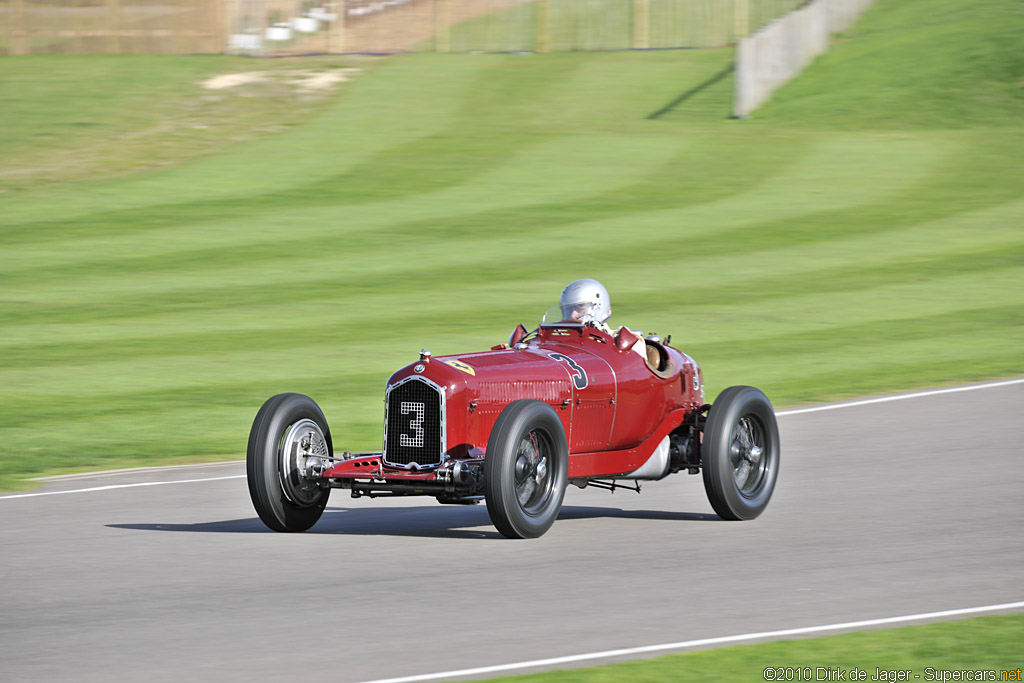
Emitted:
<point x="414" y="429"/>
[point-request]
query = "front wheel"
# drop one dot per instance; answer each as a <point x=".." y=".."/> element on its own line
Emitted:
<point x="740" y="453"/>
<point x="526" y="469"/>
<point x="288" y="429"/>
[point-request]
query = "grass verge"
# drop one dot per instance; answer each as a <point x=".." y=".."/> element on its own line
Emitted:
<point x="835" y="245"/>
<point x="930" y="652"/>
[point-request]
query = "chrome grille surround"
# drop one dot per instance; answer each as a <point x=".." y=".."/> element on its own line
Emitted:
<point x="414" y="424"/>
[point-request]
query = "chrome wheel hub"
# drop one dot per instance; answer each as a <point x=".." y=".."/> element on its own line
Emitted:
<point x="303" y="457"/>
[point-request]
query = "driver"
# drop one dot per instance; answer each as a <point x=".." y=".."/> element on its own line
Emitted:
<point x="587" y="301"/>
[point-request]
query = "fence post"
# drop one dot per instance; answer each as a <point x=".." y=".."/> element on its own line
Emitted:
<point x="442" y="26"/>
<point x="543" y="26"/>
<point x="114" y="26"/>
<point x="336" y="29"/>
<point x="229" y="20"/>
<point x="641" y="24"/>
<point x="218" y="40"/>
<point x="18" y="44"/>
<point x="741" y="19"/>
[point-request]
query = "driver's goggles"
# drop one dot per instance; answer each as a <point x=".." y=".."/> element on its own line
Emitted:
<point x="576" y="310"/>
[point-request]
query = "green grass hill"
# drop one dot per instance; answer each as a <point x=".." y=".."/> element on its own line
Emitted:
<point x="172" y="256"/>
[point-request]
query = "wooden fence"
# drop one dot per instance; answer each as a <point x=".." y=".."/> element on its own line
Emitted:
<point x="112" y="26"/>
<point x="281" y="27"/>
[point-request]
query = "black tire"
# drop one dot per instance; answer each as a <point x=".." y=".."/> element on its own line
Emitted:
<point x="526" y="469"/>
<point x="285" y="499"/>
<point x="740" y="453"/>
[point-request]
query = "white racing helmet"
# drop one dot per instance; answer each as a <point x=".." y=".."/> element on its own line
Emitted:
<point x="586" y="301"/>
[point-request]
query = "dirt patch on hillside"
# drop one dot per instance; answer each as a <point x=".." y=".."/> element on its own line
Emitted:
<point x="304" y="80"/>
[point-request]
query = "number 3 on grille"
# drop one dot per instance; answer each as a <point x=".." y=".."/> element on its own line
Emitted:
<point x="416" y="424"/>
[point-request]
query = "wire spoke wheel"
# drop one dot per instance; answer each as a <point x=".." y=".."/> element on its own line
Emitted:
<point x="740" y="453"/>
<point x="532" y="483"/>
<point x="746" y="453"/>
<point x="525" y="469"/>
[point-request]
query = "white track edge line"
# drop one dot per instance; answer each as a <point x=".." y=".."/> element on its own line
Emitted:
<point x="746" y="637"/>
<point x="899" y="397"/>
<point x="121" y="486"/>
<point x="783" y="413"/>
<point x="137" y="470"/>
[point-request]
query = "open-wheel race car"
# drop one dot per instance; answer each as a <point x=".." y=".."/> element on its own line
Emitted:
<point x="567" y="403"/>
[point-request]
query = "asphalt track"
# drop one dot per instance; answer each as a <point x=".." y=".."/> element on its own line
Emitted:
<point x="882" y="509"/>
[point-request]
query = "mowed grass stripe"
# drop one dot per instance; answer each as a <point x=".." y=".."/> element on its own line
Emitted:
<point x="181" y="431"/>
<point x="720" y="243"/>
<point x="741" y="319"/>
<point x="571" y="168"/>
<point x="255" y="312"/>
<point x="385" y="222"/>
<point x="696" y="202"/>
<point x="693" y="175"/>
<point x="888" y="302"/>
<point x="184" y="435"/>
<point x="141" y="326"/>
<point x="138" y="403"/>
<point x="179" y="212"/>
<point x="333" y="230"/>
<point x="995" y="320"/>
<point x="909" y="255"/>
<point x="858" y="364"/>
<point x="371" y="115"/>
<point x="357" y="367"/>
<point x="177" y="436"/>
<point x="92" y="431"/>
<point x="314" y="164"/>
<point x="175" y="418"/>
<point x="932" y="250"/>
<point x="866" y="378"/>
<point x="822" y="191"/>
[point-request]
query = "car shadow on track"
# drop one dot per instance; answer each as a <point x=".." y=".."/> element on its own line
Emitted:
<point x="368" y="521"/>
<point x="441" y="522"/>
<point x="590" y="512"/>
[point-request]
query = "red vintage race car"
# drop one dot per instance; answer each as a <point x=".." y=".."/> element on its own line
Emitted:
<point x="564" y="404"/>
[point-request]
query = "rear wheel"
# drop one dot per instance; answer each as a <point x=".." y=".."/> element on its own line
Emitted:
<point x="526" y="469"/>
<point x="740" y="453"/>
<point x="288" y="429"/>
